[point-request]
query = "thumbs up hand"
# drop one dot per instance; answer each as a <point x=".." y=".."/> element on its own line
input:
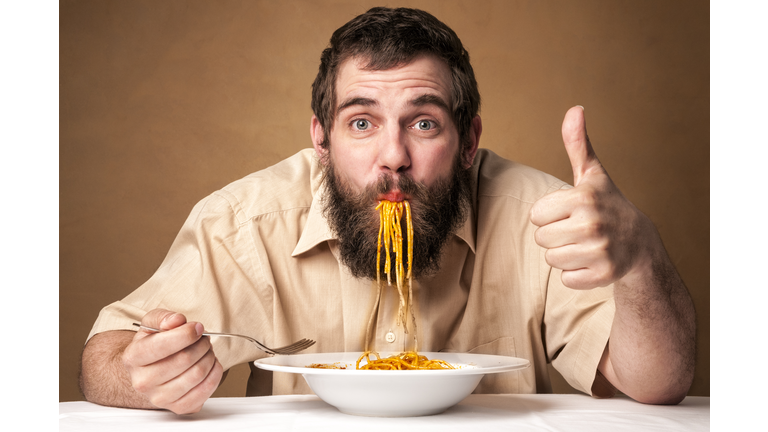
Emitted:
<point x="591" y="232"/>
<point x="597" y="237"/>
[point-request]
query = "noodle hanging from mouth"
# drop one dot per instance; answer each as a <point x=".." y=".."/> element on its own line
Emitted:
<point x="391" y="235"/>
<point x="391" y="239"/>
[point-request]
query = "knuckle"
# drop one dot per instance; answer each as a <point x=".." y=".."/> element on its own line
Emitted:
<point x="161" y="401"/>
<point x="141" y="384"/>
<point x="206" y="342"/>
<point x="584" y="196"/>
<point x="193" y="409"/>
<point x="186" y="407"/>
<point x="198" y="372"/>
<point x="216" y="373"/>
<point x="155" y="316"/>
<point x="219" y="369"/>
<point x="593" y="227"/>
<point x="192" y="353"/>
<point x="127" y="358"/>
<point x="186" y="356"/>
<point x="213" y="378"/>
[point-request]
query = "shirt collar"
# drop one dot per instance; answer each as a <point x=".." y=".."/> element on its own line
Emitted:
<point x="467" y="231"/>
<point x="316" y="229"/>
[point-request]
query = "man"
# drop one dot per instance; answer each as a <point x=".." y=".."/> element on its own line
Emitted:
<point x="507" y="260"/>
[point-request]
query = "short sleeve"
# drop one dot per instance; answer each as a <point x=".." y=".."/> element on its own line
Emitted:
<point x="577" y="325"/>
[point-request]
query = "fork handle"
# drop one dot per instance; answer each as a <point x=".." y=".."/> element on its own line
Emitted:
<point x="232" y="335"/>
<point x="143" y="327"/>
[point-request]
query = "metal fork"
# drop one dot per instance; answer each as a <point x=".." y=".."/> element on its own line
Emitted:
<point x="286" y="350"/>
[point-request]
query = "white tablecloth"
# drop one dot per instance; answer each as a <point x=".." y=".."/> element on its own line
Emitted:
<point x="486" y="413"/>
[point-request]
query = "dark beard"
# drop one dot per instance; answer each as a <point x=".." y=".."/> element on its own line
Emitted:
<point x="437" y="213"/>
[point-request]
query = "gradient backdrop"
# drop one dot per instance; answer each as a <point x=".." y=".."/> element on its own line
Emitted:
<point x="161" y="103"/>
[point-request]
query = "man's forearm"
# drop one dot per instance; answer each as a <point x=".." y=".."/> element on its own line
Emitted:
<point x="651" y="353"/>
<point x="103" y="379"/>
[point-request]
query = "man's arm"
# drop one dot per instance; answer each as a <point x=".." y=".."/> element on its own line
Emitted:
<point x="176" y="369"/>
<point x="103" y="378"/>
<point x="651" y="351"/>
<point x="597" y="237"/>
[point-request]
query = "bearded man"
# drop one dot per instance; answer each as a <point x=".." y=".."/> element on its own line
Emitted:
<point x="507" y="260"/>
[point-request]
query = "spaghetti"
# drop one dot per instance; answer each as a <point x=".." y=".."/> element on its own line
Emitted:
<point x="391" y="234"/>
<point x="409" y="360"/>
<point x="391" y="239"/>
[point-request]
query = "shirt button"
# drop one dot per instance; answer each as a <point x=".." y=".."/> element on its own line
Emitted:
<point x="390" y="337"/>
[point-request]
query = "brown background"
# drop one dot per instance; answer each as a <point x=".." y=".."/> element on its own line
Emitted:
<point x="162" y="103"/>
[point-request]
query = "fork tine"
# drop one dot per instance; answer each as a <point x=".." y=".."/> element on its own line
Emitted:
<point x="291" y="351"/>
<point x="294" y="347"/>
<point x="299" y="343"/>
<point x="299" y="346"/>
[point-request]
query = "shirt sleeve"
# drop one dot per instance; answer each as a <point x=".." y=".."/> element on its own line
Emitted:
<point x="577" y="325"/>
<point x="210" y="275"/>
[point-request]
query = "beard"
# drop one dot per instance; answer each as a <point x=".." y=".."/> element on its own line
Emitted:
<point x="437" y="212"/>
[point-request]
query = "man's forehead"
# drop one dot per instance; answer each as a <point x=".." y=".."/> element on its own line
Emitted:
<point x="428" y="76"/>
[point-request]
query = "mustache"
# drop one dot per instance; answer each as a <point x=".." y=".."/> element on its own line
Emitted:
<point x="417" y="191"/>
<point x="387" y="182"/>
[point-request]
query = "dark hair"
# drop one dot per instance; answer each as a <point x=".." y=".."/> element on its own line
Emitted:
<point x="387" y="38"/>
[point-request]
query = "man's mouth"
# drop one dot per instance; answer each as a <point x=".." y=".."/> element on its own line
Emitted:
<point x="394" y="196"/>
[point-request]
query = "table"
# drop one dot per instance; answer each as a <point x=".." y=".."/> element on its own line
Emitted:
<point x="561" y="412"/>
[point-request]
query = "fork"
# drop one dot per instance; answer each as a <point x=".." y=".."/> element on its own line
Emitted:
<point x="286" y="350"/>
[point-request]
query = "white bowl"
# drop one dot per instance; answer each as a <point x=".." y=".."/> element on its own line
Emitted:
<point x="382" y="393"/>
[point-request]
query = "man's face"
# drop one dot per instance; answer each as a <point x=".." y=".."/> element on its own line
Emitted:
<point x="393" y="139"/>
<point x="393" y="122"/>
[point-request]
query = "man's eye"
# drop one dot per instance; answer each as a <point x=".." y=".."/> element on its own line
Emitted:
<point x="361" y="124"/>
<point x="424" y="125"/>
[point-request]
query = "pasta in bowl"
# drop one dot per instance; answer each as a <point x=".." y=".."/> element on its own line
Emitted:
<point x="391" y="393"/>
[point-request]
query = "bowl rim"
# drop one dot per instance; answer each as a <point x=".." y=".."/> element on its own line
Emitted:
<point x="471" y="364"/>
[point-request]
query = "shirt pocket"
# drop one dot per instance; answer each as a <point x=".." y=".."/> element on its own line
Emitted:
<point x="505" y="382"/>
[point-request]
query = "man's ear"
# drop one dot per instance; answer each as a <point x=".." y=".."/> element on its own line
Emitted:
<point x="316" y="132"/>
<point x="470" y="151"/>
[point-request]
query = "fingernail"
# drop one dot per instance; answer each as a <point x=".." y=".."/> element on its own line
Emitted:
<point x="580" y="106"/>
<point x="199" y="329"/>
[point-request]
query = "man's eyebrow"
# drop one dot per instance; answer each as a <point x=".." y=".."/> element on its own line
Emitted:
<point x="430" y="99"/>
<point x="361" y="101"/>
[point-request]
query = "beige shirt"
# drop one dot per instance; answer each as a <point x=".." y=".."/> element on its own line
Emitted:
<point x="258" y="258"/>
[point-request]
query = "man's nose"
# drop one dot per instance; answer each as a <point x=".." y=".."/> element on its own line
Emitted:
<point x="393" y="152"/>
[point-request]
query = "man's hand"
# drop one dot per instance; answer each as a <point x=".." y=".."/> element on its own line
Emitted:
<point x="176" y="369"/>
<point x="597" y="237"/>
<point x="591" y="232"/>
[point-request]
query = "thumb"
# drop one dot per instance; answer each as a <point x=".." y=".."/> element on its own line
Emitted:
<point x="580" y="152"/>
